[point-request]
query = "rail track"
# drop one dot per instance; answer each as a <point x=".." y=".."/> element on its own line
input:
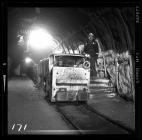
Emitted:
<point x="86" y="120"/>
<point x="110" y="120"/>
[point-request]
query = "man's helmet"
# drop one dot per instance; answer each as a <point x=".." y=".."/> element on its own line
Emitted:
<point x="91" y="36"/>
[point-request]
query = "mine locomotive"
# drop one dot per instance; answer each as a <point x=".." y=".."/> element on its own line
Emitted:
<point x="65" y="77"/>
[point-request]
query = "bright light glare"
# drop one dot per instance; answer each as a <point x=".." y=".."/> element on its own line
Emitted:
<point x="28" y="60"/>
<point x="40" y="39"/>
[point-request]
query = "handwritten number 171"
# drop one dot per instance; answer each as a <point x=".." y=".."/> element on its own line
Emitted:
<point x="20" y="126"/>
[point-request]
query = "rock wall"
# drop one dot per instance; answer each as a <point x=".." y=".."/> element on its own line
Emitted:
<point x="119" y="69"/>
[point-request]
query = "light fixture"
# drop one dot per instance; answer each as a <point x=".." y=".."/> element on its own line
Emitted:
<point x="28" y="60"/>
<point x="40" y="39"/>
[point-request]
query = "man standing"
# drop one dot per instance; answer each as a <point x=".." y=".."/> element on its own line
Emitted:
<point x="92" y="47"/>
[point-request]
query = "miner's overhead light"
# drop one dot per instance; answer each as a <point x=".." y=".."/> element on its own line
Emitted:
<point x="40" y="39"/>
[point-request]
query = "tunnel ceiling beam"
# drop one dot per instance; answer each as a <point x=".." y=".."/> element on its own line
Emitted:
<point x="105" y="27"/>
<point x="126" y="29"/>
<point x="102" y="15"/>
<point x="101" y="29"/>
<point x="109" y="26"/>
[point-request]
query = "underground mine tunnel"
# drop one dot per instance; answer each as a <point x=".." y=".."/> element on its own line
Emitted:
<point x="38" y="36"/>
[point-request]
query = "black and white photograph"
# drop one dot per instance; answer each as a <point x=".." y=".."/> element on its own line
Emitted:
<point x="71" y="69"/>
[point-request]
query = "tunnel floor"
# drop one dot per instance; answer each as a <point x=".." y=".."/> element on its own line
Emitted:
<point x="27" y="108"/>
